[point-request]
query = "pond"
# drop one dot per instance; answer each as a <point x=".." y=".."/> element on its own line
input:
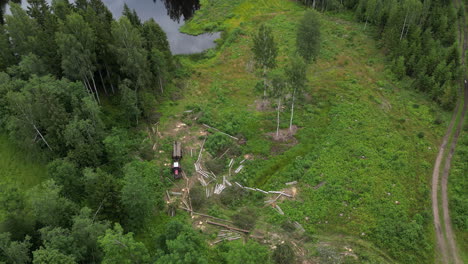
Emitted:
<point x="170" y="15"/>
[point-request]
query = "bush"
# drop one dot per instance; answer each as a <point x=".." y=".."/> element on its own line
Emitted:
<point x="283" y="254"/>
<point x="197" y="197"/>
<point x="232" y="197"/>
<point x="216" y="166"/>
<point x="245" y="219"/>
<point x="217" y="143"/>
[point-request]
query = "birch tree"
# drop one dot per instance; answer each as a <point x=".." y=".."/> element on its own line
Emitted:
<point x="308" y="36"/>
<point x="265" y="52"/>
<point x="76" y="41"/>
<point x="296" y="75"/>
<point x="22" y="30"/>
<point x="131" y="55"/>
<point x="412" y="11"/>
<point x="7" y="57"/>
<point x="278" y="87"/>
<point x="122" y="248"/>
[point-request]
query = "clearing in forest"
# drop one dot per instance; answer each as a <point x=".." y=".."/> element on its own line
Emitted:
<point x="365" y="140"/>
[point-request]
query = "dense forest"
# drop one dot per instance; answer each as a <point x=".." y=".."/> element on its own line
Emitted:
<point x="78" y="88"/>
<point x="60" y="64"/>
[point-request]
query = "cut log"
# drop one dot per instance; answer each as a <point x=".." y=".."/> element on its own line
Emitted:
<point x="217" y="130"/>
<point x="279" y="210"/>
<point x="209" y="216"/>
<point x="239" y="169"/>
<point x="228" y="227"/>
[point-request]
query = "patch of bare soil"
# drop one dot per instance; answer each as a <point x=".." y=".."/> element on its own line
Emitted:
<point x="285" y="135"/>
<point x="263" y="105"/>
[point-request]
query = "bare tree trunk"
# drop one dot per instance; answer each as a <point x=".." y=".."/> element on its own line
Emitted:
<point x="403" y="29"/>
<point x="40" y="134"/>
<point x="110" y="80"/>
<point x="367" y="19"/>
<point x="313" y="4"/>
<point x="278" y="118"/>
<point x="102" y="81"/>
<point x="86" y="86"/>
<point x="292" y="109"/>
<point x="91" y="89"/>
<point x="264" y="83"/>
<point x="95" y="88"/>
<point x="160" y="84"/>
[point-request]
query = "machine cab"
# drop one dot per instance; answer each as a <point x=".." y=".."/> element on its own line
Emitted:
<point x="176" y="157"/>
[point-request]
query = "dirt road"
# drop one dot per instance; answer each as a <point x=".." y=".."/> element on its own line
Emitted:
<point x="445" y="236"/>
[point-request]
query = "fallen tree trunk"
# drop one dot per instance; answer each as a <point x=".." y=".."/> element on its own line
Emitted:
<point x="217" y="130"/>
<point x="228" y="227"/>
<point x="195" y="213"/>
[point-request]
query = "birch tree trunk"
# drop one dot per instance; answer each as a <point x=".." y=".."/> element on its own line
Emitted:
<point x="264" y="83"/>
<point x="91" y="89"/>
<point x="160" y="84"/>
<point x="278" y="118"/>
<point x="95" y="88"/>
<point x="102" y="81"/>
<point x="404" y="25"/>
<point x="110" y="80"/>
<point x="292" y="109"/>
<point x="87" y="88"/>
<point x="40" y="134"/>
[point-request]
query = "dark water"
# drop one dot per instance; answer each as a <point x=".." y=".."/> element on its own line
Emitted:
<point x="170" y="15"/>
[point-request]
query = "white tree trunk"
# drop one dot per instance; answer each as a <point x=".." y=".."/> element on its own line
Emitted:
<point x="90" y="88"/>
<point x="110" y="80"/>
<point x="95" y="89"/>
<point x="40" y="134"/>
<point x="278" y="118"/>
<point x="264" y="83"/>
<point x="160" y="84"/>
<point x="292" y="109"/>
<point x="102" y="81"/>
<point x="403" y="29"/>
<point x="86" y="86"/>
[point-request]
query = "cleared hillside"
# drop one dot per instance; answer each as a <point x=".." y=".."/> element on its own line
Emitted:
<point x="364" y="149"/>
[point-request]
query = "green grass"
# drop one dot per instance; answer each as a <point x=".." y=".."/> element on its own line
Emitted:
<point x="369" y="136"/>
<point x="19" y="167"/>
<point x="458" y="194"/>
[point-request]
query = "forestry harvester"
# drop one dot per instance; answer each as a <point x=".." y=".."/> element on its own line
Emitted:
<point x="176" y="157"/>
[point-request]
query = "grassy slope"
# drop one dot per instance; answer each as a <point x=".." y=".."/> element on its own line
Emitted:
<point x="368" y="136"/>
<point x="17" y="167"/>
<point x="458" y="194"/>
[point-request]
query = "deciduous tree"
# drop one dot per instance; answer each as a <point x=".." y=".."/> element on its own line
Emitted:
<point x="122" y="248"/>
<point x="296" y="74"/>
<point x="265" y="52"/>
<point x="308" y="36"/>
